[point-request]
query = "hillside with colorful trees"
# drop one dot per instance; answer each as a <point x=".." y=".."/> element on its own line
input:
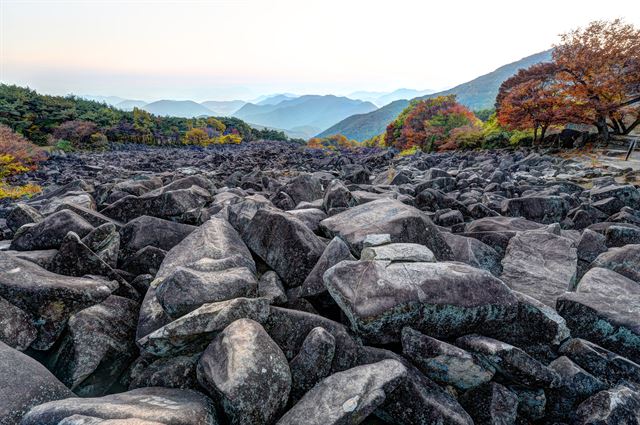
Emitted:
<point x="594" y="79"/>
<point x="75" y="123"/>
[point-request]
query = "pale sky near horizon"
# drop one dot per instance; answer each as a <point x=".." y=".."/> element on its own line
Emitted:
<point x="226" y="49"/>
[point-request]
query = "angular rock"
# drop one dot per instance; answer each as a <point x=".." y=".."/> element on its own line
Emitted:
<point x="312" y="363"/>
<point x="337" y="198"/>
<point x="402" y="222"/>
<point x="491" y="403"/>
<point x="214" y="240"/>
<point x="313" y="285"/>
<point x="289" y="247"/>
<point x="398" y="252"/>
<point x="627" y="194"/>
<point x="170" y="372"/>
<point x="444" y="300"/>
<point x="605" y="309"/>
<point x="152" y="231"/>
<point x="347" y="397"/>
<point x="104" y="241"/>
<point x="202" y="324"/>
<point x="97" y="347"/>
<point x="620" y="236"/>
<point x="311" y="217"/>
<point x="623" y="260"/>
<point x="146" y="260"/>
<point x="186" y="289"/>
<point x="474" y="252"/>
<point x="16" y="326"/>
<point x="541" y="209"/>
<point x="47" y="297"/>
<point x="165" y="406"/>
<point x="246" y="372"/>
<point x="50" y="232"/>
<point x="289" y="328"/>
<point x="618" y="405"/>
<point x="152" y="316"/>
<point x="510" y="362"/>
<point x="22" y="214"/>
<point x="501" y="224"/>
<point x="25" y="383"/>
<point x="442" y="362"/>
<point x="417" y="400"/>
<point x="600" y="362"/>
<point x="270" y="287"/>
<point x="577" y="385"/>
<point x="540" y="264"/>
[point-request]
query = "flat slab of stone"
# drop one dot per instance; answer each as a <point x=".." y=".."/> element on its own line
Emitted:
<point x="439" y="299"/>
<point x="540" y="264"/>
<point x="605" y="309"/>
<point x="402" y="222"/>
<point x="167" y="406"/>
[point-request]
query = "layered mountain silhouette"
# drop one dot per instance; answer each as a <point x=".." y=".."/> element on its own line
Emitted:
<point x="308" y="114"/>
<point x="479" y="93"/>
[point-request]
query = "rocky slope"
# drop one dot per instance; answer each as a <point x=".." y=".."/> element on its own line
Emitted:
<point x="270" y="284"/>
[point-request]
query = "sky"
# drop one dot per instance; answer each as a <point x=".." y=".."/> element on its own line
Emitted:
<point x="226" y="49"/>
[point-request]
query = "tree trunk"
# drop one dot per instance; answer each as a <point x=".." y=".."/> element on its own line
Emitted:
<point x="535" y="134"/>
<point x="603" y="128"/>
<point x="543" y="130"/>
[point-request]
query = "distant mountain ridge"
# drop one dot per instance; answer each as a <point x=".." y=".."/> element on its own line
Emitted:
<point x="307" y="114"/>
<point x="479" y="93"/>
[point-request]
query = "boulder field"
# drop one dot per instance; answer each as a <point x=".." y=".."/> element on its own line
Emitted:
<point x="268" y="283"/>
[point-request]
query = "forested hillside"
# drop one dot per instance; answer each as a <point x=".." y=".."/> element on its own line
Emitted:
<point x="45" y="119"/>
<point x="479" y="93"/>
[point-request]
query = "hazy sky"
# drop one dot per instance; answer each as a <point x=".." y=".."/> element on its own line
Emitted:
<point x="221" y="49"/>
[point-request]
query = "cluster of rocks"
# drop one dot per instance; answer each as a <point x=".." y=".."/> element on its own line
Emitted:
<point x="279" y="285"/>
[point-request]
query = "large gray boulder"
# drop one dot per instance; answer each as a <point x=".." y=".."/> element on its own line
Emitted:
<point x="202" y="324"/>
<point x="22" y="214"/>
<point x="215" y="240"/>
<point x="403" y="222"/>
<point x="444" y="363"/>
<point x="491" y="403"/>
<point x="143" y="406"/>
<point x="25" y="383"/>
<point x="600" y="362"/>
<point x="152" y="231"/>
<point x="313" y="285"/>
<point x="97" y="347"/>
<point x="186" y="289"/>
<point x="618" y="405"/>
<point x="440" y="299"/>
<point x="286" y="244"/>
<point x="247" y="373"/>
<point x="623" y="260"/>
<point x="16" y="327"/>
<point x="347" y="397"/>
<point x="510" y="362"/>
<point x="541" y="209"/>
<point x="540" y="264"/>
<point x="312" y="363"/>
<point x="474" y="252"/>
<point x="47" y="297"/>
<point x="167" y="204"/>
<point x="50" y="232"/>
<point x="417" y="399"/>
<point x="605" y="309"/>
<point x="289" y="329"/>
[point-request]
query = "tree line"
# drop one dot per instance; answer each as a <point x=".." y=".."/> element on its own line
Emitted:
<point x="85" y="124"/>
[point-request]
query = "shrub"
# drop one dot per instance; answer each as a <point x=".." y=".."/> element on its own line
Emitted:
<point x="64" y="145"/>
<point x="428" y="123"/>
<point x="17" y="155"/>
<point x="409" y="152"/>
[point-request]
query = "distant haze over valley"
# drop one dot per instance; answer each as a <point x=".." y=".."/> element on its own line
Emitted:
<point x="359" y="115"/>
